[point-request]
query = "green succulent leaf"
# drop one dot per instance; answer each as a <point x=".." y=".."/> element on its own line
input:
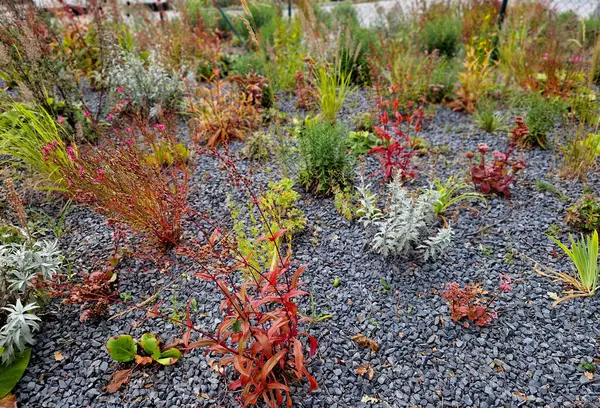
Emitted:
<point x="11" y="374"/>
<point x="169" y="357"/>
<point x="121" y="348"/>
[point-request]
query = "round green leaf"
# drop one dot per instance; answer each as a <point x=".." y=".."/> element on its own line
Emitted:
<point x="149" y="343"/>
<point x="121" y="348"/>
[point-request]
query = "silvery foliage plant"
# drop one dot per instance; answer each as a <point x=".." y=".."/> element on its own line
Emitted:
<point x="407" y="222"/>
<point x="20" y="266"/>
<point x="146" y="84"/>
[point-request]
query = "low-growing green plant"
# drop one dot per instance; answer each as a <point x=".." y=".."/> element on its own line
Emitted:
<point x="259" y="146"/>
<point x="344" y="201"/>
<point x="580" y="154"/>
<point x="585" y="213"/>
<point x="124" y="349"/>
<point x="324" y="163"/>
<point x="545" y="186"/>
<point x="364" y="122"/>
<point x="452" y="192"/>
<point x="487" y="118"/>
<point x="362" y="142"/>
<point x="542" y="114"/>
<point x="584" y="255"/>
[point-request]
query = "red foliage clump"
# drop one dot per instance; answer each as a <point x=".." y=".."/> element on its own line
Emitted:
<point x="500" y="174"/>
<point x="307" y="94"/>
<point x="472" y="303"/>
<point x="93" y="294"/>
<point x="259" y="336"/>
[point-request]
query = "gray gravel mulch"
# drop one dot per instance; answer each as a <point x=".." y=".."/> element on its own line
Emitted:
<point x="529" y="356"/>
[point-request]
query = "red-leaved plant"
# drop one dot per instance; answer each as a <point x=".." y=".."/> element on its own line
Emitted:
<point x="397" y="148"/>
<point x="500" y="174"/>
<point x="259" y="336"/>
<point x="472" y="304"/>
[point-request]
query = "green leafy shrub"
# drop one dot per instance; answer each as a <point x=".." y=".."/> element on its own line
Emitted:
<point x="278" y="205"/>
<point x="542" y="114"/>
<point x="585" y="213"/>
<point x="324" y="162"/>
<point x="442" y="33"/>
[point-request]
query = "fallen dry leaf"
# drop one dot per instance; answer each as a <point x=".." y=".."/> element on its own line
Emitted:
<point x="58" y="356"/>
<point x="366" y="369"/>
<point x="119" y="378"/>
<point x="589" y="375"/>
<point x="9" y="401"/>
<point x="365" y="342"/>
<point x="520" y="395"/>
<point x="142" y="360"/>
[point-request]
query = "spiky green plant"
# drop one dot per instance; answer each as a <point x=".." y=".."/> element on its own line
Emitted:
<point x="334" y="88"/>
<point x="450" y="194"/>
<point x="584" y="254"/>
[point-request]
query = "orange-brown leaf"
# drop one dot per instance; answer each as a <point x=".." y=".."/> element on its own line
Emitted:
<point x="118" y="379"/>
<point x="8" y="401"/>
<point x="299" y="358"/>
<point x="142" y="360"/>
<point x="366" y="369"/>
<point x="365" y="342"/>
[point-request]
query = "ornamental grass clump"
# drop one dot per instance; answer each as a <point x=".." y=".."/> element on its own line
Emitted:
<point x="28" y="133"/>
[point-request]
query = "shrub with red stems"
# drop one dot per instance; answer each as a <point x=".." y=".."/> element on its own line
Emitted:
<point x="397" y="148"/>
<point x="117" y="180"/>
